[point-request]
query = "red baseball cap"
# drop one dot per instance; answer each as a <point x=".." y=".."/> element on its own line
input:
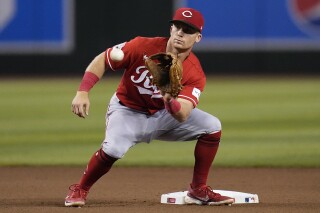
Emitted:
<point x="190" y="17"/>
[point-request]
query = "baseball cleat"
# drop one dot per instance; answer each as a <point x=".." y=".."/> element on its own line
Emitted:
<point x="205" y="196"/>
<point x="76" y="197"/>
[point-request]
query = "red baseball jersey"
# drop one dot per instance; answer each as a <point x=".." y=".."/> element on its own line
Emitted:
<point x="135" y="89"/>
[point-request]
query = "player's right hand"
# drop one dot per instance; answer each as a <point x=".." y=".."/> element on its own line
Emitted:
<point x="81" y="104"/>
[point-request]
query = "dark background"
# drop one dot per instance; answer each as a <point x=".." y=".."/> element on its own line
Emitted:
<point x="101" y="24"/>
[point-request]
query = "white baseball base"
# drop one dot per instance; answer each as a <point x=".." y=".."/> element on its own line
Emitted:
<point x="240" y="197"/>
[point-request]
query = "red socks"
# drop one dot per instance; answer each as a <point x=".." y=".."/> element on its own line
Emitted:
<point x="99" y="164"/>
<point x="204" y="153"/>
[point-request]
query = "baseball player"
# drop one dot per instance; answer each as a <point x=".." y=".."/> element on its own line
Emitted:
<point x="140" y="112"/>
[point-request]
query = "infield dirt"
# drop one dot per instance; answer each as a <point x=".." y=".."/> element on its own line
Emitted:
<point x="42" y="189"/>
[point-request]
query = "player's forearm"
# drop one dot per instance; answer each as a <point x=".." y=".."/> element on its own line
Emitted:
<point x="178" y="108"/>
<point x="183" y="114"/>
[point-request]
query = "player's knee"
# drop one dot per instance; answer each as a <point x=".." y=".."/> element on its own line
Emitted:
<point x="216" y="124"/>
<point x="211" y="124"/>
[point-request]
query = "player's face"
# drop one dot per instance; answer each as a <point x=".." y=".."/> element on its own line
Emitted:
<point x="183" y="36"/>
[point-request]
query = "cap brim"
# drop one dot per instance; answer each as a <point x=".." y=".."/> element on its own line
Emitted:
<point x="187" y="23"/>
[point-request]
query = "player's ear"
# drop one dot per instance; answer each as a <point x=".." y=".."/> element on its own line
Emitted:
<point x="199" y="37"/>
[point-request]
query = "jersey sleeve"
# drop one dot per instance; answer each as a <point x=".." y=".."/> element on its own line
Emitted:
<point x="193" y="80"/>
<point x="192" y="92"/>
<point x="128" y="49"/>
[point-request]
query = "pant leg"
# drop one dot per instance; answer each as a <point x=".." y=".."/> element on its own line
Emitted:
<point x="124" y="128"/>
<point x="199" y="123"/>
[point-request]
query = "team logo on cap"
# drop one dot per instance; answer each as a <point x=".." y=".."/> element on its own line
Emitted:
<point x="187" y="13"/>
<point x="306" y="15"/>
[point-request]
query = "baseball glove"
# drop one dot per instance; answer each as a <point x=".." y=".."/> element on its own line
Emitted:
<point x="166" y="70"/>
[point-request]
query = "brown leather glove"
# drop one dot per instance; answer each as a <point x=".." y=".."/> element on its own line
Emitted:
<point x="166" y="70"/>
